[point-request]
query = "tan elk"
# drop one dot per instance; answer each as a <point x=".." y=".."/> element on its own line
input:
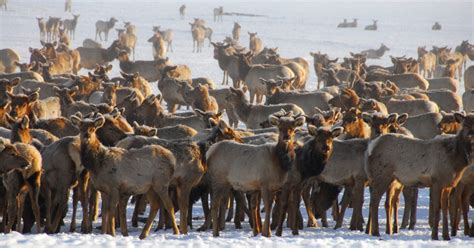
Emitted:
<point x="156" y="168"/>
<point x="265" y="170"/>
<point x="437" y="163"/>
<point x="104" y="27"/>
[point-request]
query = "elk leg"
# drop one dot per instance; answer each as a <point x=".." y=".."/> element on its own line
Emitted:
<point x="435" y="202"/>
<point x="444" y="206"/>
<point x="267" y="201"/>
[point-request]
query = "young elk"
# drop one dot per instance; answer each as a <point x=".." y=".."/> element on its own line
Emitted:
<point x="152" y="175"/>
<point x="262" y="168"/>
<point x="437" y="163"/>
<point x="20" y="182"/>
<point x="10" y="158"/>
<point x="310" y="161"/>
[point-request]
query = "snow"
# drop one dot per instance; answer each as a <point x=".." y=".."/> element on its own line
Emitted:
<point x="296" y="28"/>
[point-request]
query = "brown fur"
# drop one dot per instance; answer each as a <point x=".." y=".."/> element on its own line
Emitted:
<point x="18" y="182"/>
<point x="155" y="172"/>
<point x="444" y="173"/>
<point x="224" y="177"/>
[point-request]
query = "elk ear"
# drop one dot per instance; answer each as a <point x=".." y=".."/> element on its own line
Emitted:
<point x="402" y="119"/>
<point x="274" y="121"/>
<point x="42" y="42"/>
<point x="153" y="132"/>
<point x="459" y="117"/>
<point x="312" y="130"/>
<point x="99" y="121"/>
<point x="220" y="114"/>
<point x="135" y="124"/>
<point x="76" y="120"/>
<point x="73" y="91"/>
<point x="318" y="110"/>
<point x="392" y="118"/>
<point x="15" y="81"/>
<point x="367" y="118"/>
<point x="335" y="132"/>
<point x="57" y="90"/>
<point x="199" y="112"/>
<point x="2" y="145"/>
<point x="212" y="122"/>
<point x="299" y="121"/>
<point x="33" y="97"/>
<point x="159" y="97"/>
<point x="25" y="122"/>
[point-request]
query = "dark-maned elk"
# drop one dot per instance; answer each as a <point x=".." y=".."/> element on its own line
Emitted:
<point x="436" y="26"/>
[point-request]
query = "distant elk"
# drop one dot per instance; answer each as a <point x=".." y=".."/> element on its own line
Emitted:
<point x="129" y="40"/>
<point x="42" y="27"/>
<point x="218" y="12"/>
<point x="182" y="11"/>
<point x="52" y="28"/>
<point x="236" y="32"/>
<point x="198" y="34"/>
<point x="68" y="5"/>
<point x="376" y="53"/>
<point x="436" y="26"/>
<point x="3" y="3"/>
<point x="70" y="26"/>
<point x="372" y="27"/>
<point x="167" y="35"/>
<point x="104" y="27"/>
<point x="346" y="24"/>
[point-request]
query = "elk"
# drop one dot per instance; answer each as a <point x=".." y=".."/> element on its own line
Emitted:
<point x="255" y="43"/>
<point x="376" y="53"/>
<point x="265" y="171"/>
<point x="372" y="27"/>
<point x="156" y="167"/>
<point x="42" y="27"/>
<point x="104" y="27"/>
<point x="218" y="13"/>
<point x="444" y="158"/>
<point x="236" y="31"/>
<point x="129" y="40"/>
<point x="253" y="115"/>
<point x="168" y="36"/>
<point x="182" y="11"/>
<point x="70" y="26"/>
<point x="18" y="182"/>
<point x="199" y="34"/>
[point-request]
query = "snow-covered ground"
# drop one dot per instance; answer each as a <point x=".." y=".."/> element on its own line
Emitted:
<point x="296" y="28"/>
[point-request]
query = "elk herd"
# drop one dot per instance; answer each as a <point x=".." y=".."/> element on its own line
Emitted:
<point x="108" y="138"/>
